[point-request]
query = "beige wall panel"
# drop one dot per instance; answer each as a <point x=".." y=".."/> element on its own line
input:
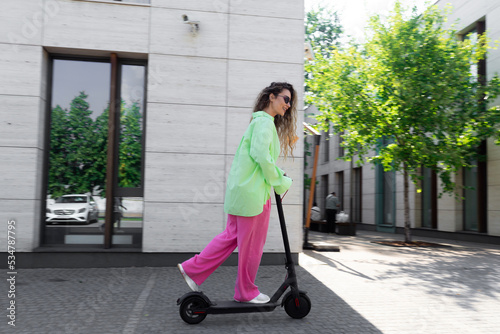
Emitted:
<point x="293" y="219"/>
<point x="400" y="218"/>
<point x="19" y="169"/>
<point x="238" y="120"/>
<point x="185" y="128"/>
<point x="493" y="172"/>
<point x="25" y="214"/>
<point x="462" y="11"/>
<point x="20" y="122"/>
<point x="494" y="229"/>
<point x="184" y="227"/>
<point x="269" y="39"/>
<point x="494" y="210"/>
<point x="184" y="178"/>
<point x="277" y="8"/>
<point x="21" y="21"/>
<point x="493" y="54"/>
<point x="44" y="77"/>
<point x="21" y="69"/>
<point x="368" y="216"/>
<point x="449" y="211"/>
<point x="187" y="80"/>
<point x="493" y="201"/>
<point x="170" y="34"/>
<point x="447" y="220"/>
<point x="368" y="202"/>
<point x="368" y="185"/>
<point x="98" y="26"/>
<point x="220" y="6"/>
<point x="295" y="169"/>
<point x="246" y="80"/>
<point x="321" y="169"/>
<point x="417" y="217"/>
<point x="41" y="126"/>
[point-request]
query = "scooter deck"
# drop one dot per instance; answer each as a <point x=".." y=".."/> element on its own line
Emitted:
<point x="224" y="307"/>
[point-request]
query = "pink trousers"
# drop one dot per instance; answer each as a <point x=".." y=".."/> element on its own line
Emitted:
<point x="246" y="233"/>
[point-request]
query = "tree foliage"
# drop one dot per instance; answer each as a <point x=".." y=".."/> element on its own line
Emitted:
<point x="411" y="83"/>
<point x="129" y="173"/>
<point x="78" y="148"/>
<point x="323" y="30"/>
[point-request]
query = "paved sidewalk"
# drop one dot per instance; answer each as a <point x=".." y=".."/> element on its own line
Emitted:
<point x="364" y="288"/>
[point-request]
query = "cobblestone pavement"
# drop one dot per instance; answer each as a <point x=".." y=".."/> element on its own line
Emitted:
<point x="364" y="288"/>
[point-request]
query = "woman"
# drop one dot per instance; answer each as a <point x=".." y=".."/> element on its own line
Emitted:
<point x="248" y="193"/>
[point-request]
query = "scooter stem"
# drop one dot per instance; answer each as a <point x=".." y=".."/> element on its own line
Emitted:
<point x="284" y="233"/>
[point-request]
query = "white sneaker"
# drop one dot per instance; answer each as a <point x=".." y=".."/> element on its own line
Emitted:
<point x="260" y="299"/>
<point x="192" y="285"/>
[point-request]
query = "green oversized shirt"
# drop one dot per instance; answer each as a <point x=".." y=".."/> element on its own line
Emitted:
<point x="254" y="169"/>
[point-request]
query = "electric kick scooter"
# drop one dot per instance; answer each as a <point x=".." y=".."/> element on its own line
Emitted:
<point x="194" y="306"/>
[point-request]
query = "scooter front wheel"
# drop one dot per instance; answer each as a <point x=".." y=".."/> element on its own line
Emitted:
<point x="191" y="310"/>
<point x="297" y="308"/>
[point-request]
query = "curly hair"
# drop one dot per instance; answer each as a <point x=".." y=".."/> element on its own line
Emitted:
<point x="286" y="126"/>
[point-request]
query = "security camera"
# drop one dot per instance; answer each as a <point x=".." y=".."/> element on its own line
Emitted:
<point x="195" y="25"/>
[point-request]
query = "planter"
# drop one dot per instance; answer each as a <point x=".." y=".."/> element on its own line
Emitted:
<point x="346" y="228"/>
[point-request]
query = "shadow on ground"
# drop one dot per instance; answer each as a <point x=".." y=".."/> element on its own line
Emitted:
<point x="143" y="300"/>
<point x="329" y="313"/>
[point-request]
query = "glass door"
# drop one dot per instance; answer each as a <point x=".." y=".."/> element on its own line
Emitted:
<point x="79" y="170"/>
<point x="78" y="147"/>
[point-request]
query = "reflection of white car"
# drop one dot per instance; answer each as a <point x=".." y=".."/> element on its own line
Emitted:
<point x="72" y="209"/>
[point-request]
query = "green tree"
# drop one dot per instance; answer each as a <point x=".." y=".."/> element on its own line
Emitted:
<point x="412" y="85"/>
<point x="99" y="147"/>
<point x="78" y="148"/>
<point x="129" y="174"/>
<point x="80" y="157"/>
<point x="58" y="172"/>
<point x="322" y="30"/>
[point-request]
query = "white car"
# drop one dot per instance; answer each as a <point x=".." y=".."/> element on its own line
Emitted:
<point x="73" y="209"/>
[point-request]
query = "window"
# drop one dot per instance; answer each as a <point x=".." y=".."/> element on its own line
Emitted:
<point x="340" y="187"/>
<point x="385" y="196"/>
<point x="475" y="195"/>
<point x="475" y="178"/>
<point x="429" y="198"/>
<point x="357" y="194"/>
<point x="95" y="194"/>
<point x="326" y="145"/>
<point x="341" y="148"/>
<point x="324" y="192"/>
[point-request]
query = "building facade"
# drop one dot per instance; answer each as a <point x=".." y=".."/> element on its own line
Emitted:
<point x="149" y="96"/>
<point x="374" y="198"/>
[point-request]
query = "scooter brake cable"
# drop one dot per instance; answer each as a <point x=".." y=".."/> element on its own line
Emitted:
<point x="284" y="195"/>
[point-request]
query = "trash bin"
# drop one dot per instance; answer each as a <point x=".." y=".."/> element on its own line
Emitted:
<point x="344" y="227"/>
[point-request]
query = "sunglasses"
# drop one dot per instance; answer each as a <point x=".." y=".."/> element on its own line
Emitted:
<point x="285" y="98"/>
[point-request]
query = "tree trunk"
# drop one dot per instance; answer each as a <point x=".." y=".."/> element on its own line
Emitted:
<point x="407" y="206"/>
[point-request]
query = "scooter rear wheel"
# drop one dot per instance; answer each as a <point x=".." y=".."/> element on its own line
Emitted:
<point x="297" y="308"/>
<point x="189" y="310"/>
